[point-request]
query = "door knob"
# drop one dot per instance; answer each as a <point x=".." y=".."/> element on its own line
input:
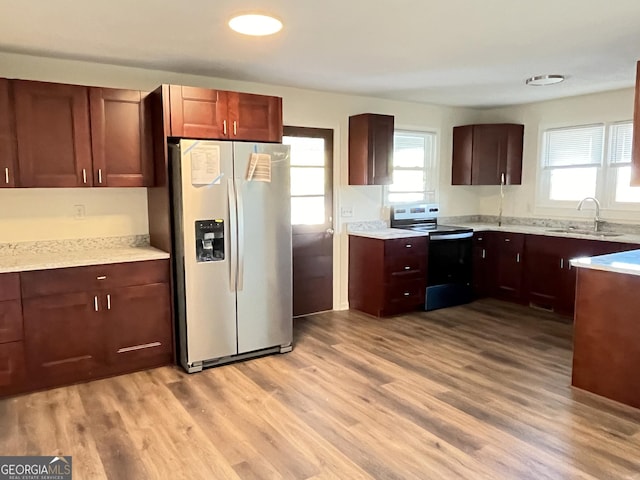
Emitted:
<point x="330" y="231"/>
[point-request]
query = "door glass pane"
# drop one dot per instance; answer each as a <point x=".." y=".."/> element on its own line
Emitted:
<point x="307" y="210"/>
<point x="624" y="192"/>
<point x="573" y="183"/>
<point x="306" y="151"/>
<point x="307" y="181"/>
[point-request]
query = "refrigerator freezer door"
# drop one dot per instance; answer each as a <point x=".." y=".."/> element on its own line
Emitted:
<point x="209" y="282"/>
<point x="264" y="299"/>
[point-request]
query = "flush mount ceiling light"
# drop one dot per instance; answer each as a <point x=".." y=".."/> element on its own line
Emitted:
<point x="255" y="24"/>
<point x="544" y="80"/>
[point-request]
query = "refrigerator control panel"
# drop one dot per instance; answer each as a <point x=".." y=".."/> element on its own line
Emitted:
<point x="209" y="240"/>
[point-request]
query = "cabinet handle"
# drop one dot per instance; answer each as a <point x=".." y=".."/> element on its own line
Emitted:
<point x="408" y="245"/>
<point x="502" y="179"/>
<point x="235" y="127"/>
<point x="224" y="127"/>
<point x="84" y="175"/>
<point x="507" y="239"/>
<point x="406" y="294"/>
<point x="484" y="253"/>
<point x="101" y="277"/>
<point x="108" y="302"/>
<point x="99" y="175"/>
<point x="407" y="268"/>
<point x="562" y="263"/>
<point x="479" y="239"/>
<point x="517" y="258"/>
<point x="6" y="175"/>
<point x="569" y="265"/>
<point x="95" y="303"/>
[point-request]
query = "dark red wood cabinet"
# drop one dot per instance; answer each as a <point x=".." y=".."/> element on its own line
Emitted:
<point x="371" y="149"/>
<point x="487" y="154"/>
<point x="12" y="358"/>
<point x="53" y="133"/>
<point x="88" y="322"/>
<point x="635" y="152"/>
<point x="120" y="138"/>
<point x="8" y="156"/>
<point x="387" y="277"/>
<point x="217" y="114"/>
<point x="484" y="264"/>
<point x="508" y="249"/>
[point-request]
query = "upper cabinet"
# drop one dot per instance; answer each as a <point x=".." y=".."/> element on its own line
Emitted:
<point x="488" y="154"/>
<point x="75" y="136"/>
<point x="53" y="132"/>
<point x="635" y="155"/>
<point x="216" y="114"/>
<point x="7" y="137"/>
<point x="121" y="138"/>
<point x="370" y="149"/>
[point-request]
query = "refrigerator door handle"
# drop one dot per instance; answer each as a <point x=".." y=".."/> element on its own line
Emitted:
<point x="233" y="229"/>
<point x="240" y="239"/>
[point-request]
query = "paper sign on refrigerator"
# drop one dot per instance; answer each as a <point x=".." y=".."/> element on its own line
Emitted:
<point x="205" y="164"/>
<point x="259" y="169"/>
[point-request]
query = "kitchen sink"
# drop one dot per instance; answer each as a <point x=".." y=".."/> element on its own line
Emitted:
<point x="579" y="231"/>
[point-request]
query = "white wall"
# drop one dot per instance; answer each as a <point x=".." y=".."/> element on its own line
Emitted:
<point x="47" y="213"/>
<point x="520" y="201"/>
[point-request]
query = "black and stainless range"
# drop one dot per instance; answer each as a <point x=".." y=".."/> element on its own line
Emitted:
<point x="449" y="254"/>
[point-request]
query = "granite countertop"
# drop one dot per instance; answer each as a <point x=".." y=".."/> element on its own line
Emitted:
<point x="381" y="231"/>
<point x="27" y="256"/>
<point x="622" y="262"/>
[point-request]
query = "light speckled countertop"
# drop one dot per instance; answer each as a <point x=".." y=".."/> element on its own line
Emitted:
<point x="44" y="255"/>
<point x="622" y="262"/>
<point x="391" y="233"/>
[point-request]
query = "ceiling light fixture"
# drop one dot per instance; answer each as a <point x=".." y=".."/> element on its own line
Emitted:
<point x="255" y="24"/>
<point x="544" y="80"/>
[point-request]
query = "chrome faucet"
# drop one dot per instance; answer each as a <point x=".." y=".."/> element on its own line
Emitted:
<point x="597" y="223"/>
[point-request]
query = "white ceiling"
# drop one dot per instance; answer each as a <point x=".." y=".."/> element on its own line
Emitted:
<point x="453" y="52"/>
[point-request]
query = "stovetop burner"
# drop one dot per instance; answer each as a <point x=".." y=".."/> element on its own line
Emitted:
<point x="421" y="217"/>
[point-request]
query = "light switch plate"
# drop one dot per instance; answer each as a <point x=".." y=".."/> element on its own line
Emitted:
<point x="346" y="211"/>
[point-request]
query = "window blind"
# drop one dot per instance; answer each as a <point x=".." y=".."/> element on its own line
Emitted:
<point x="621" y="135"/>
<point x="574" y="146"/>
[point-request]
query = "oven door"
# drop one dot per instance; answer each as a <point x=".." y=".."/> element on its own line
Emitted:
<point x="449" y="270"/>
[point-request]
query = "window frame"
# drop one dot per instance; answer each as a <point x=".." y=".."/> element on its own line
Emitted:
<point x="606" y="173"/>
<point x="431" y="166"/>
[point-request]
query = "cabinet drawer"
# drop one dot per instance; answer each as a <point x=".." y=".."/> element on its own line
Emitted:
<point x="9" y="286"/>
<point x="511" y="241"/>
<point x="405" y="267"/>
<point x="10" y="321"/>
<point x="406" y="246"/>
<point x="96" y="277"/>
<point x="12" y="372"/>
<point x="406" y="290"/>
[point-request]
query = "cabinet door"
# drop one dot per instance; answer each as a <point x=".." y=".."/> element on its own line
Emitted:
<point x="7" y="137"/>
<point x="545" y="270"/>
<point x="635" y="150"/>
<point x="139" y="326"/>
<point x="10" y="321"/>
<point x="462" y="156"/>
<point x="511" y="160"/>
<point x="370" y="149"/>
<point x="484" y="262"/>
<point x="255" y="117"/>
<point x="198" y="113"/>
<point x="121" y="138"/>
<point x="382" y="130"/>
<point x="489" y="147"/>
<point x="509" y="258"/>
<point x="63" y="338"/>
<point x="54" y="143"/>
<point x="12" y="372"/>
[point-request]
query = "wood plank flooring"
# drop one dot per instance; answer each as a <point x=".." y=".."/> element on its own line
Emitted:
<point x="479" y="392"/>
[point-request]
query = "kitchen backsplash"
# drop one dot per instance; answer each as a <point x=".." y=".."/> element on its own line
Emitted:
<point x="74" y="245"/>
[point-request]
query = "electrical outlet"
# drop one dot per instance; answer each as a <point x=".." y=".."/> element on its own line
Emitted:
<point x="78" y="212"/>
<point x="346" y="212"/>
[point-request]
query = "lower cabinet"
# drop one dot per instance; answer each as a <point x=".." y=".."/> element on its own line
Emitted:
<point x="12" y="358"/>
<point x="509" y="249"/>
<point x="483" y="264"/>
<point x="12" y="372"/>
<point x="387" y="277"/>
<point x="89" y="322"/>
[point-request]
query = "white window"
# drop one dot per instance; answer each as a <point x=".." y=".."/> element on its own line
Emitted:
<point x="587" y="161"/>
<point x="414" y="167"/>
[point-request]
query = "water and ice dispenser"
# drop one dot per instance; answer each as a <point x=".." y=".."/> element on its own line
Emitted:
<point x="209" y="240"/>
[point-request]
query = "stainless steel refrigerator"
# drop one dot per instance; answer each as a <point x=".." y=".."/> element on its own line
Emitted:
<point x="232" y="235"/>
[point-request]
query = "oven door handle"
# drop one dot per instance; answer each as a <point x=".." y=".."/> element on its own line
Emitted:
<point x="449" y="236"/>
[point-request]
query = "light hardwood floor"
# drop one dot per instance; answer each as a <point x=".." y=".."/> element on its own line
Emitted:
<point x="479" y="391"/>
